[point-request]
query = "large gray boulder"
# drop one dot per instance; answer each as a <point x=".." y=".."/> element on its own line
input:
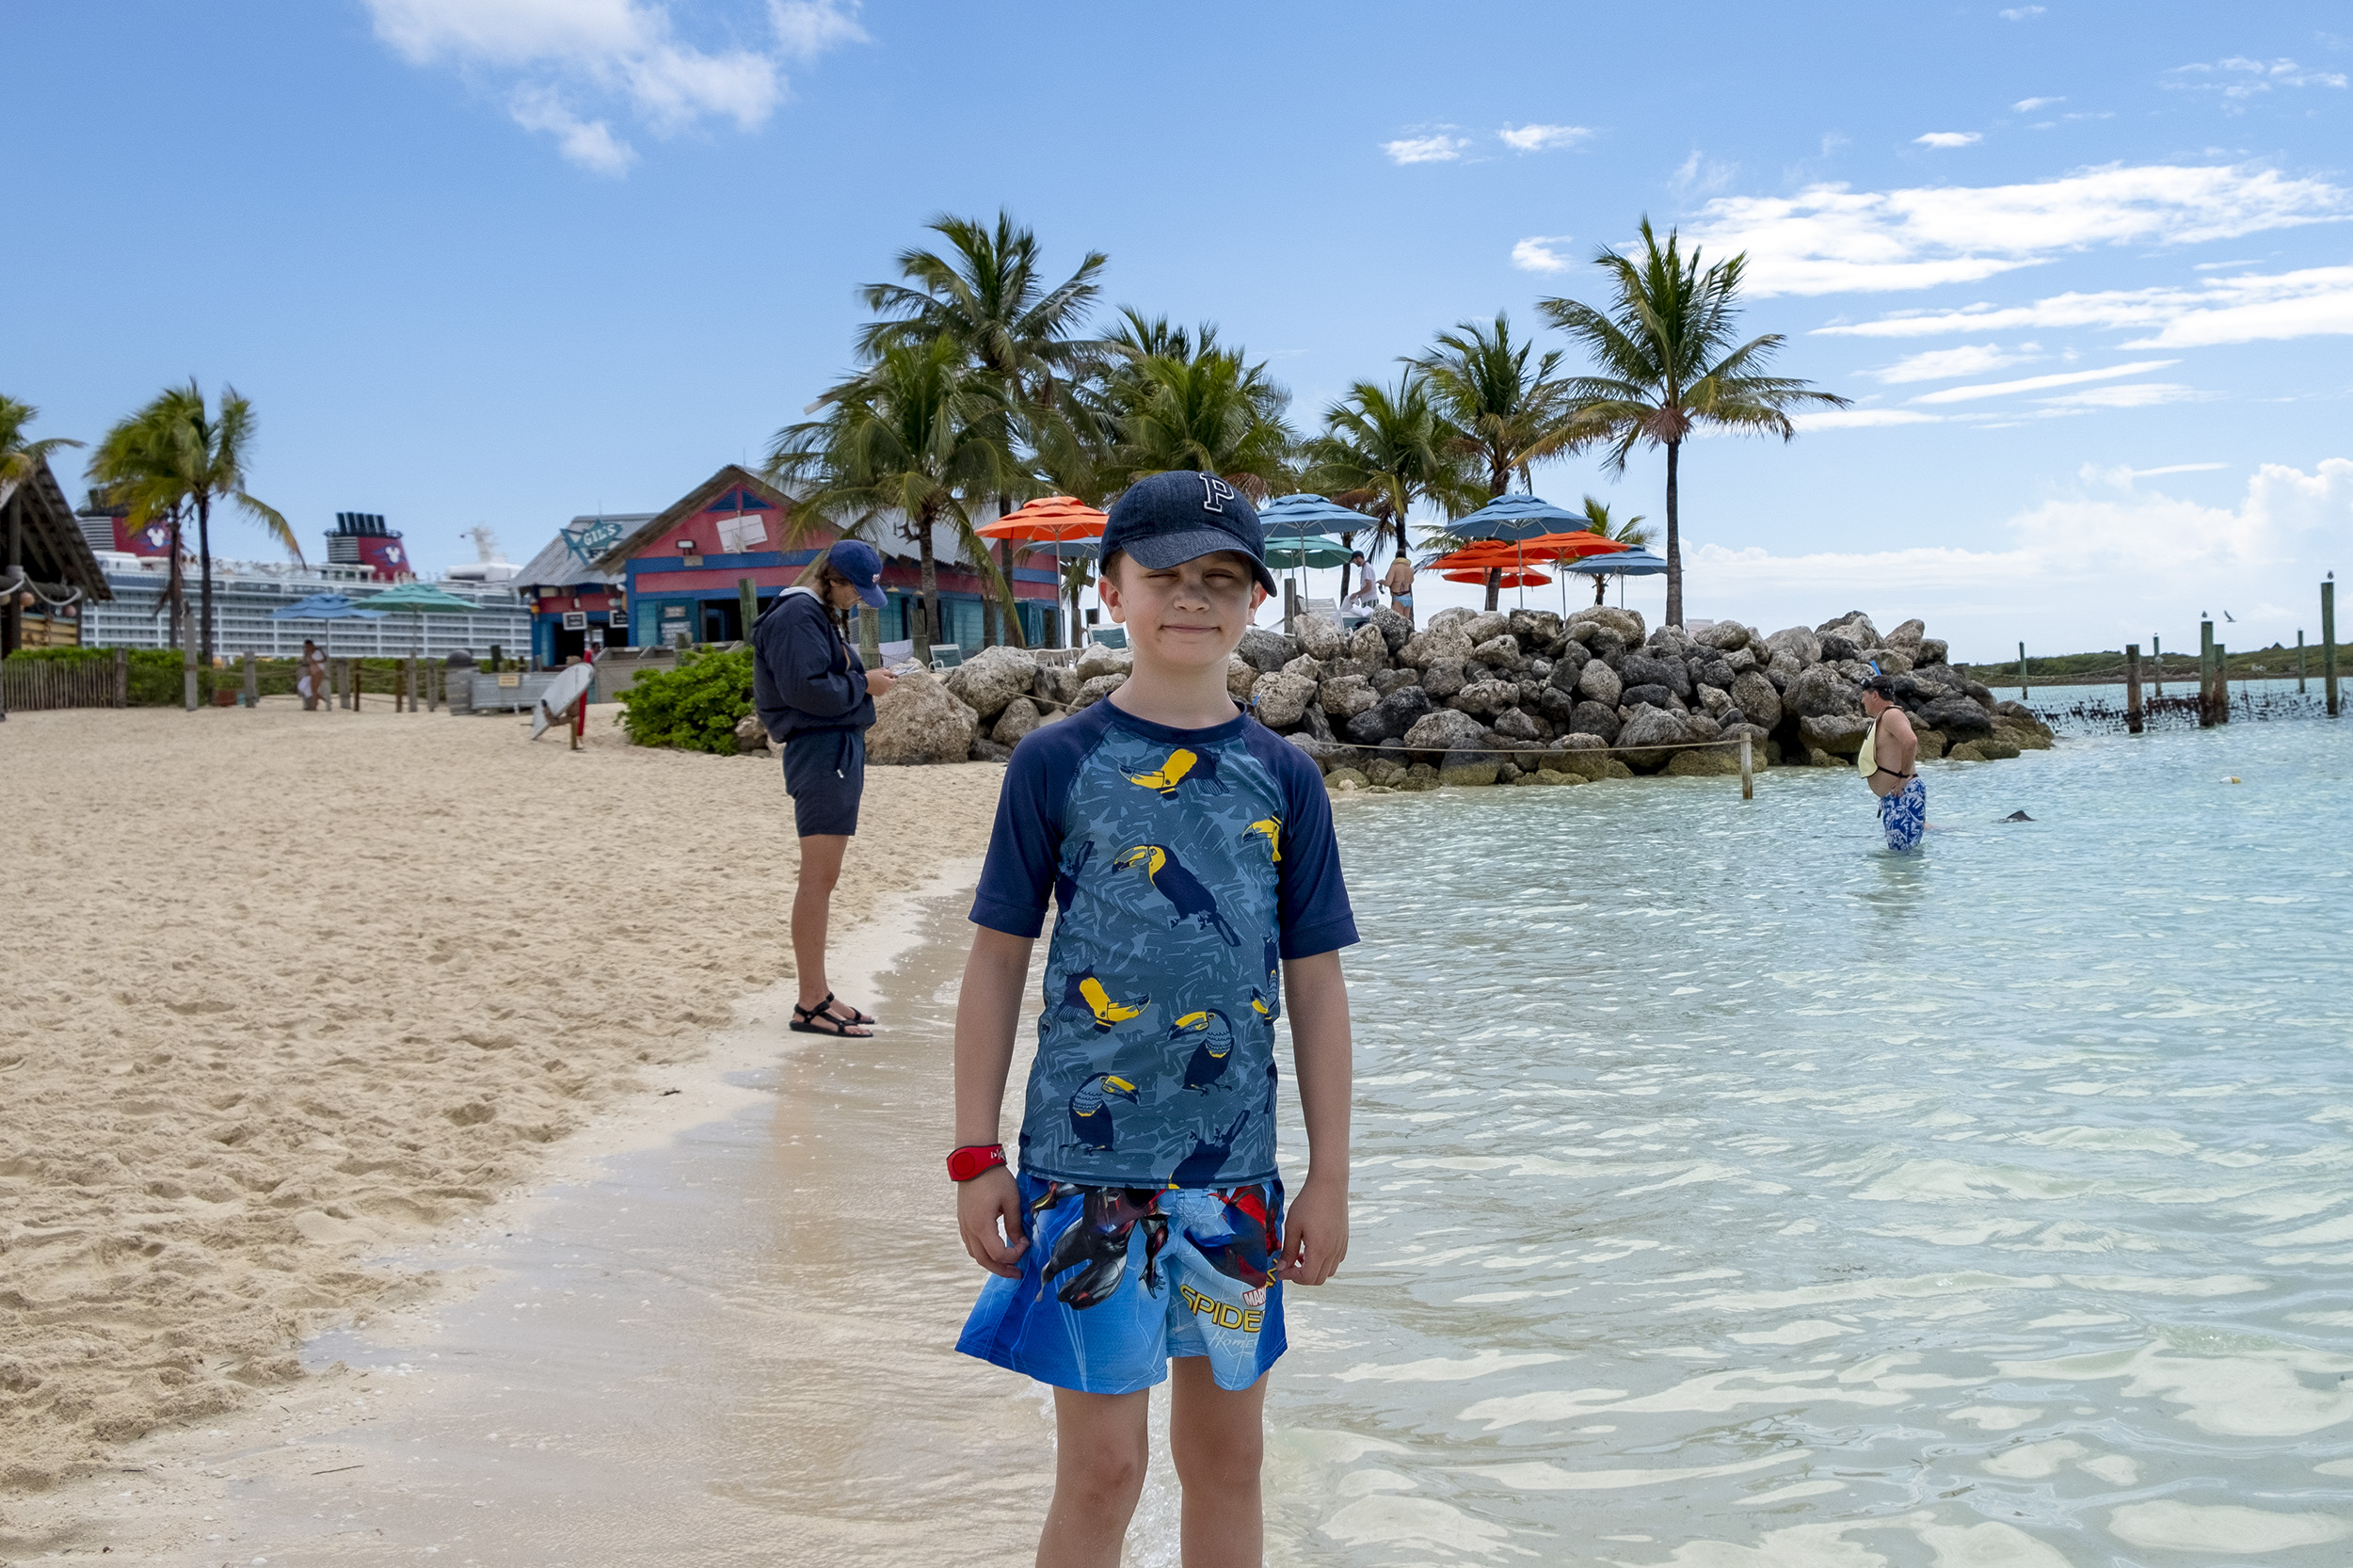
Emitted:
<point x="1535" y="628"/>
<point x="1754" y="696"/>
<point x="1368" y="647"/>
<point x="1646" y="739"/>
<point x="1591" y="718"/>
<point x="1573" y="658"/>
<point x="1839" y="649"/>
<point x="1796" y="642"/>
<point x="1391" y="718"/>
<point x="1265" y="649"/>
<point x="1327" y="755"/>
<point x="1628" y="624"/>
<point x="1649" y="693"/>
<point x="1453" y="618"/>
<point x="1670" y="642"/>
<point x="991" y="679"/>
<point x="1643" y="669"/>
<point x="1097" y="660"/>
<point x="1318" y="636"/>
<point x="1444" y="729"/>
<point x="1486" y="624"/>
<point x="1714" y="701"/>
<point x="1347" y="696"/>
<point x="1056" y="684"/>
<point x="1601" y="683"/>
<point x="1438" y="644"/>
<point x="1240" y="676"/>
<point x="1386" y="682"/>
<point x="1959" y="717"/>
<point x="1394" y="627"/>
<point x="1558" y="707"/>
<point x="1820" y="691"/>
<point x="1724" y="636"/>
<point x="1855" y="627"/>
<point x="1908" y="637"/>
<point x="750" y="734"/>
<point x="1469" y="769"/>
<point x="1840" y="735"/>
<point x="1091" y="692"/>
<point x="1485" y="699"/>
<point x="1500" y="653"/>
<point x="1020" y="716"/>
<point x="919" y="720"/>
<point x="1311" y="668"/>
<point x="1933" y="650"/>
<point x="1282" y="698"/>
<point x="1516" y="724"/>
<point x="1443" y="678"/>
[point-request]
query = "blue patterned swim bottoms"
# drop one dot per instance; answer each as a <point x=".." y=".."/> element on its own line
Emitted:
<point x="1905" y="816"/>
<point x="1117" y="1280"/>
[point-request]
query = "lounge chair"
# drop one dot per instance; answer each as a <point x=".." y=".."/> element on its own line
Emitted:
<point x="1109" y="637"/>
<point x="946" y="656"/>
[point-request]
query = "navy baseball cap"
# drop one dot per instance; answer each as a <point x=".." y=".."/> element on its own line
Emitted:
<point x="1181" y="516"/>
<point x="859" y="562"/>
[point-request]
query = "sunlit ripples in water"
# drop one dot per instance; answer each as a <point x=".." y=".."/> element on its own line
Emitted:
<point x="1729" y="1191"/>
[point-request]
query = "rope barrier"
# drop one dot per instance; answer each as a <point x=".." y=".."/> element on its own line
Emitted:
<point x="25" y="584"/>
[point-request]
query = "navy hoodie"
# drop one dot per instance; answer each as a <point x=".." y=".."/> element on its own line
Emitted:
<point x="803" y="674"/>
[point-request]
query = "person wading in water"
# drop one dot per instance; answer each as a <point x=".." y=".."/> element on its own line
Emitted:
<point x="1889" y="764"/>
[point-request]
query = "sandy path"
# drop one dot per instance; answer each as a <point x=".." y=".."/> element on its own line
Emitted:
<point x="287" y="988"/>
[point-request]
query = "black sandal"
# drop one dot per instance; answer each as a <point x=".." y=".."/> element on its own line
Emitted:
<point x="856" y="1016"/>
<point x="805" y="1022"/>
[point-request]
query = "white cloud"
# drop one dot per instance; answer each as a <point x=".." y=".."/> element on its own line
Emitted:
<point x="1862" y="418"/>
<point x="1538" y="139"/>
<point x="1701" y="176"/>
<point x="547" y="58"/>
<point x="2088" y="570"/>
<point x="589" y="143"/>
<point x="1537" y="253"/>
<point x="2028" y="105"/>
<point x="1830" y="238"/>
<point x="1940" y="365"/>
<point x="2040" y="383"/>
<point x="2240" y="78"/>
<point x="2248" y="307"/>
<point x="2021" y="13"/>
<point x="2174" y="468"/>
<point x="1949" y="139"/>
<point x="1425" y="150"/>
<point x="2140" y="394"/>
<point x="807" y="28"/>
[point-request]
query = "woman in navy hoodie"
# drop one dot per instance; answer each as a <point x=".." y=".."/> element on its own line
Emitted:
<point x="816" y="698"/>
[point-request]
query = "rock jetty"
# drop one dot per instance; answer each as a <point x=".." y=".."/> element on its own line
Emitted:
<point x="1524" y="696"/>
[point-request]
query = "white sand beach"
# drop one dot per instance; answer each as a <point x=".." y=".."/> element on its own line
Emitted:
<point x="292" y="990"/>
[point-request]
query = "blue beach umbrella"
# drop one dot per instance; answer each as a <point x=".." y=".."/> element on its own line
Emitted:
<point x="1308" y="515"/>
<point x="326" y="607"/>
<point x="1512" y="518"/>
<point x="1626" y="564"/>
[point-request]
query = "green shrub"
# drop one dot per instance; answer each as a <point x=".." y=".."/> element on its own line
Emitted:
<point x="156" y="674"/>
<point x="694" y="707"/>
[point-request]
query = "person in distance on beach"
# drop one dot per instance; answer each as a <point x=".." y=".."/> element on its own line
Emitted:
<point x="1400" y="582"/>
<point x="816" y="698"/>
<point x="1888" y="760"/>
<point x="1145" y="1236"/>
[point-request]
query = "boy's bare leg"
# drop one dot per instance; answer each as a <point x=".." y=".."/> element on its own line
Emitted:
<point x="1218" y="1440"/>
<point x="1101" y="1447"/>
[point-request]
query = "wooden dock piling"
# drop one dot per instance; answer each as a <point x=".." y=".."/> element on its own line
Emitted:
<point x="2132" y="689"/>
<point x="2206" y="675"/>
<point x="1747" y="776"/>
<point x="2022" y="672"/>
<point x="2157" y="676"/>
<point x="2328" y="641"/>
<point x="2221" y="695"/>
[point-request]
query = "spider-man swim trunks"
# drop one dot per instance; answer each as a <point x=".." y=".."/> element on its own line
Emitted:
<point x="1117" y="1280"/>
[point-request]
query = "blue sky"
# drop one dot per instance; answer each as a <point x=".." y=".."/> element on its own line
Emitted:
<point x="2087" y="270"/>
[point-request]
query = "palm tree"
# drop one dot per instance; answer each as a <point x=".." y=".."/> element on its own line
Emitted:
<point x="19" y="455"/>
<point x="911" y="442"/>
<point x="176" y="457"/>
<point x="1509" y="415"/>
<point x="1634" y="533"/>
<point x="1211" y="413"/>
<point x="1667" y="364"/>
<point x="984" y="292"/>
<point x="1386" y="449"/>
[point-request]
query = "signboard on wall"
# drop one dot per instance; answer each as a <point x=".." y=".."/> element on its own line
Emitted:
<point x="575" y="620"/>
<point x="744" y="535"/>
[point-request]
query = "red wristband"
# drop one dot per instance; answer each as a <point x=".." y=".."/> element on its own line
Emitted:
<point x="971" y="1159"/>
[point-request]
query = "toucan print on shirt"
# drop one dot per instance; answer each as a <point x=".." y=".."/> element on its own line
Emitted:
<point x="1185" y="864"/>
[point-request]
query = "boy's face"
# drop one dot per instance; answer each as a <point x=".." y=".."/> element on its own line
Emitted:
<point x="1185" y="615"/>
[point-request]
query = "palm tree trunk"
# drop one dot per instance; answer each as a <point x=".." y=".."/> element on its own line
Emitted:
<point x="1601" y="589"/>
<point x="1016" y="636"/>
<point x="1498" y="481"/>
<point x="205" y="564"/>
<point x="926" y="618"/>
<point x="1674" y="544"/>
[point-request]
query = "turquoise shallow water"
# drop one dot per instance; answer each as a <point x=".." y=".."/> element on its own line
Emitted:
<point x="1731" y="1193"/>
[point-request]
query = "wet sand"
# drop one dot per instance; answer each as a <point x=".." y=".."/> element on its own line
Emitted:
<point x="291" y="992"/>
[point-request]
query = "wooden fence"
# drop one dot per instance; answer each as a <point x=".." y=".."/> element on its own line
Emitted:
<point x="28" y="684"/>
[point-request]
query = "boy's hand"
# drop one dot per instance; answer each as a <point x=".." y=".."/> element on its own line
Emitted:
<point x="981" y="1203"/>
<point x="1315" y="1232"/>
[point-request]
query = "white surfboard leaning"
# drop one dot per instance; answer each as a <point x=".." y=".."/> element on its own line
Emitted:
<point x="556" y="701"/>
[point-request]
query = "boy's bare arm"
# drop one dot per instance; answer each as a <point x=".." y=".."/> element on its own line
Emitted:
<point x="1315" y="1232"/>
<point x="988" y="1010"/>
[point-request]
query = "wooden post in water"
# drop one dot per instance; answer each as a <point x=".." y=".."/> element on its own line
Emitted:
<point x="2206" y="675"/>
<point x="2022" y="672"/>
<point x="2156" y="652"/>
<point x="2221" y="685"/>
<point x="1747" y="779"/>
<point x="2132" y="689"/>
<point x="2328" y="641"/>
<point x="2299" y="660"/>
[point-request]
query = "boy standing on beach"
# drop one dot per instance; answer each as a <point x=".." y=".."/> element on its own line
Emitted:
<point x="1147" y="1236"/>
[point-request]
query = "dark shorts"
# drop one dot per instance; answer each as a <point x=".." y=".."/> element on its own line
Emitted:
<point x="825" y="772"/>
<point x="1119" y="1280"/>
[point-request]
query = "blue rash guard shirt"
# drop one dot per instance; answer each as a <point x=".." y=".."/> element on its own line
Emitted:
<point x="1186" y="864"/>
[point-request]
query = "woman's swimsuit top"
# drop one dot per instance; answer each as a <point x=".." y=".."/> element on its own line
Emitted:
<point x="1866" y="761"/>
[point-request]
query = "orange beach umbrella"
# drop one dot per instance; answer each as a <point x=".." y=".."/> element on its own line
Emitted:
<point x="1048" y="519"/>
<point x="1512" y="577"/>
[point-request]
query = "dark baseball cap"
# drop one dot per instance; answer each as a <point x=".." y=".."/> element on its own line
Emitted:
<point x="861" y="564"/>
<point x="1181" y="516"/>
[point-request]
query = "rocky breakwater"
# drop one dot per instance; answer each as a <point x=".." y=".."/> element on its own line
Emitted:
<point x="1524" y="696"/>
